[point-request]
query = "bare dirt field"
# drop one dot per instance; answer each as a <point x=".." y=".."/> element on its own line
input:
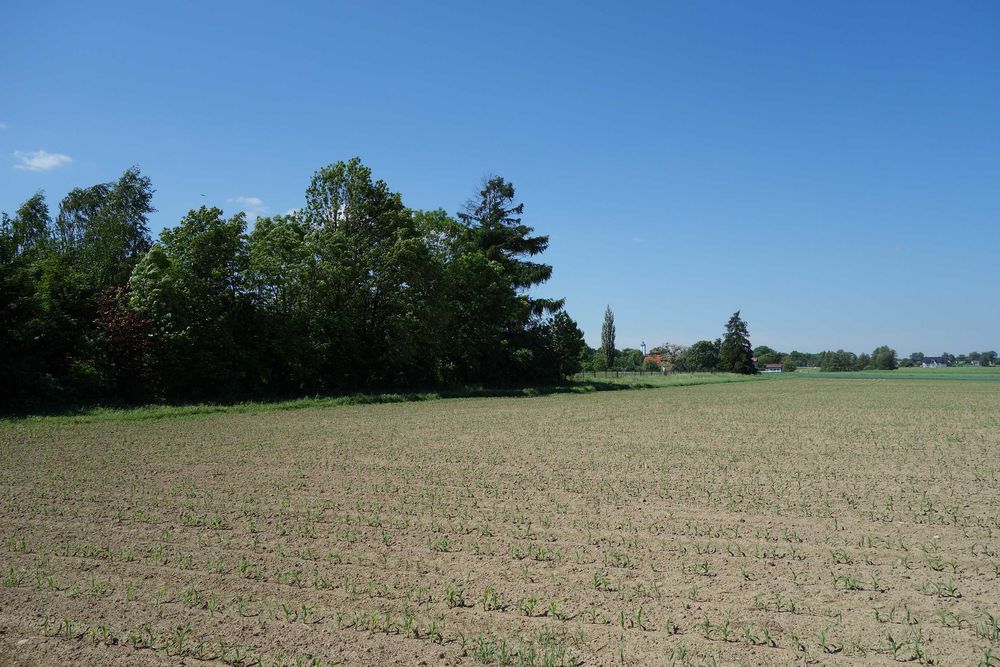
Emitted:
<point x="786" y="521"/>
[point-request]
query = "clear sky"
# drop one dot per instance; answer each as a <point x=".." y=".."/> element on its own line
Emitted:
<point x="832" y="169"/>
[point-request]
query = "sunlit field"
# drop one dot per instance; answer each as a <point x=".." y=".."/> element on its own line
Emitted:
<point x="796" y="519"/>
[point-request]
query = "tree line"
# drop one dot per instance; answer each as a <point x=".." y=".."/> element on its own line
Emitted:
<point x="352" y="292"/>
<point x="971" y="359"/>
<point x="881" y="358"/>
<point x="731" y="353"/>
<point x="719" y="355"/>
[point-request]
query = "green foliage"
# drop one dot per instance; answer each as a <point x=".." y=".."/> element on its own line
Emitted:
<point x="838" y="361"/>
<point x="863" y="363"/>
<point x="30" y="228"/>
<point x="608" y="338"/>
<point x="353" y="292"/>
<point x="673" y="356"/>
<point x="766" y="355"/>
<point x="596" y="361"/>
<point x="703" y="356"/>
<point x="735" y="352"/>
<point x="801" y="359"/>
<point x="190" y="287"/>
<point x="112" y="220"/>
<point x="501" y="335"/>
<point x="567" y="344"/>
<point x="629" y="359"/>
<point x="884" y="359"/>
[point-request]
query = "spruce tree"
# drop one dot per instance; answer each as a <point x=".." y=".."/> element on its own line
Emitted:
<point x="736" y="354"/>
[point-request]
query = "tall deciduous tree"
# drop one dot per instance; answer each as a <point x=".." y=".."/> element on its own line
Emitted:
<point x="379" y="279"/>
<point x="735" y="352"/>
<point x="116" y="229"/>
<point x="703" y="356"/>
<point x="884" y="358"/>
<point x="78" y="210"/>
<point x="190" y="287"/>
<point x="608" y="337"/>
<point x="22" y="378"/>
<point x="31" y="225"/>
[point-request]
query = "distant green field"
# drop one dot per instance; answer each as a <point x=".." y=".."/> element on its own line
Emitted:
<point x="987" y="374"/>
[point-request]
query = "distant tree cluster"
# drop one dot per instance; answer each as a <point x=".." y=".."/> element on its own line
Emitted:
<point x="354" y="291"/>
<point x="730" y="354"/>
<point x="883" y="358"/>
<point x="970" y="359"/>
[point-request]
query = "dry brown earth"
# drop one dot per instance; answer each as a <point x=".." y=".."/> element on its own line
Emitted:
<point x="841" y="522"/>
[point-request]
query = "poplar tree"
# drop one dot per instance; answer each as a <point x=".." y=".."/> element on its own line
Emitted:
<point x="608" y="337"/>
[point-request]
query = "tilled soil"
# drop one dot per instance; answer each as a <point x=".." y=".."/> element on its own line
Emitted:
<point x="794" y="521"/>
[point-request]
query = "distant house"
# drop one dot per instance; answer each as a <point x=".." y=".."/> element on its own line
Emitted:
<point x="657" y="359"/>
<point x="772" y="368"/>
<point x="934" y="362"/>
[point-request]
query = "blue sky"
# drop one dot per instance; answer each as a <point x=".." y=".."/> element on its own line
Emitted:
<point x="832" y="169"/>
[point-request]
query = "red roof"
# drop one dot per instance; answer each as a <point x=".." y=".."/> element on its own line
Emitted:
<point x="773" y="366"/>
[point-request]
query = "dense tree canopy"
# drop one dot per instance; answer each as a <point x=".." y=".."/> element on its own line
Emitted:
<point x="735" y="352"/>
<point x="703" y="356"/>
<point x="354" y="291"/>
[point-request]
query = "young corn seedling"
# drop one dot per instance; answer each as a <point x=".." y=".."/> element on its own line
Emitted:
<point x="827" y="645"/>
<point x="454" y="596"/>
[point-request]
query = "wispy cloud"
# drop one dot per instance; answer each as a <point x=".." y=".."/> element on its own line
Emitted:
<point x="252" y="206"/>
<point x="4" y="126"/>
<point x="40" y="160"/>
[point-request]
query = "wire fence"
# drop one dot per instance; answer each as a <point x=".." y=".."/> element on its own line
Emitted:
<point x="619" y="374"/>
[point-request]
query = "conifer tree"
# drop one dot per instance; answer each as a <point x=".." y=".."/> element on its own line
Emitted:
<point x="736" y="354"/>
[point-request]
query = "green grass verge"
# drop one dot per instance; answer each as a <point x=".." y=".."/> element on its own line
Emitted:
<point x="579" y="385"/>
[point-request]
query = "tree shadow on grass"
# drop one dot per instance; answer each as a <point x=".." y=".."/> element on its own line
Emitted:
<point x="90" y="413"/>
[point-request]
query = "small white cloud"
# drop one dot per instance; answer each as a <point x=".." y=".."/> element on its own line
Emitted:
<point x="291" y="211"/>
<point x="40" y="160"/>
<point x="252" y="206"/>
<point x="4" y="126"/>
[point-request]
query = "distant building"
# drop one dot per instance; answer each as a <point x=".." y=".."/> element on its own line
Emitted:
<point x="657" y="359"/>
<point x="772" y="368"/>
<point x="934" y="362"/>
